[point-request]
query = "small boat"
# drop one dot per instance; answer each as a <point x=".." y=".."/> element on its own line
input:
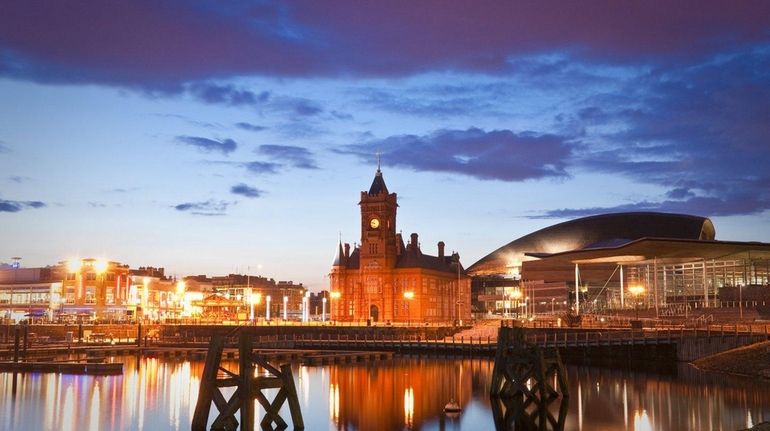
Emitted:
<point x="452" y="407"/>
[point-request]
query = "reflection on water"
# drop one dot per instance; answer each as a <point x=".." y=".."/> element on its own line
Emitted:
<point x="406" y="393"/>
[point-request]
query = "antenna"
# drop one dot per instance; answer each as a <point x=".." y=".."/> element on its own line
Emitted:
<point x="378" y="154"/>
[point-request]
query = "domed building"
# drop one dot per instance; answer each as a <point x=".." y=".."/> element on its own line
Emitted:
<point x="673" y="257"/>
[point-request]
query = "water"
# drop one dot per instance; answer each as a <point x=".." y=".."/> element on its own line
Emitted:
<point x="406" y="393"/>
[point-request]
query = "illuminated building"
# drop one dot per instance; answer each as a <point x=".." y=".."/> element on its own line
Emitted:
<point x="384" y="279"/>
<point x="675" y="257"/>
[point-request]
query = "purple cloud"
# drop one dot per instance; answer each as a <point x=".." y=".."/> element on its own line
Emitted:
<point x="257" y="167"/>
<point x="16" y="206"/>
<point x="250" y="127"/>
<point x="699" y="131"/>
<point x="159" y="46"/>
<point x="488" y="155"/>
<point x="298" y="157"/>
<point x="225" y="146"/>
<point x="206" y="208"/>
<point x="245" y="190"/>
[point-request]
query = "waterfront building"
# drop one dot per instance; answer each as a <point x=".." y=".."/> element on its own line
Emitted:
<point x="241" y="297"/>
<point x="673" y="258"/>
<point x="382" y="279"/>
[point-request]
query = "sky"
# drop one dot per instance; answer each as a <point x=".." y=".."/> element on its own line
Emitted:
<point x="218" y="137"/>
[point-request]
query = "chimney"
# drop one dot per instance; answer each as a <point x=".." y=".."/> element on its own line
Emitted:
<point x="347" y="250"/>
<point x="441" y="249"/>
<point x="413" y="242"/>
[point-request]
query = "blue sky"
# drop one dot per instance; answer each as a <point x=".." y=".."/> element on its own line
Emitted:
<point x="209" y="137"/>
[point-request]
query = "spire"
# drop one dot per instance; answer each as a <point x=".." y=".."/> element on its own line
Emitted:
<point x="340" y="257"/>
<point x="378" y="185"/>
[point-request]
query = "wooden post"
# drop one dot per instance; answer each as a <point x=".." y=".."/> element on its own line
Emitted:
<point x="16" y="343"/>
<point x="248" y="388"/>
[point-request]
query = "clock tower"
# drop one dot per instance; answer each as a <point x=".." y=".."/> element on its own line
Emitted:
<point x="378" y="225"/>
<point x="378" y="247"/>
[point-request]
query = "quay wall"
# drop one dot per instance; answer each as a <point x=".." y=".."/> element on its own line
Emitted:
<point x="203" y="332"/>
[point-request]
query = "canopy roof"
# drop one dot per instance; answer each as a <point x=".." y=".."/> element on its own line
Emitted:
<point x="661" y="250"/>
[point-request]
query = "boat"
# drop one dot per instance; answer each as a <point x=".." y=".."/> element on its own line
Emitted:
<point x="452" y="407"/>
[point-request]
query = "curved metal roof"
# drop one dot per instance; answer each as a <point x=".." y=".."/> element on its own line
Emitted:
<point x="605" y="230"/>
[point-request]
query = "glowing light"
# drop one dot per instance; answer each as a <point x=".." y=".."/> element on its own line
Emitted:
<point x="636" y="289"/>
<point x="180" y="288"/>
<point x="408" y="295"/>
<point x="335" y="295"/>
<point x="642" y="421"/>
<point x="100" y="266"/>
<point x="516" y="294"/>
<point x="73" y="265"/>
<point x="409" y="407"/>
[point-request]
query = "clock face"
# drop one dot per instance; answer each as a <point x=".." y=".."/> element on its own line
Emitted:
<point x="375" y="223"/>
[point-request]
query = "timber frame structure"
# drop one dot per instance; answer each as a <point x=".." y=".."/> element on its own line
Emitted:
<point x="521" y="391"/>
<point x="248" y="387"/>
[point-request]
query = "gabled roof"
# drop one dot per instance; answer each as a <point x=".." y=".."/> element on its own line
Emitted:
<point x="378" y="184"/>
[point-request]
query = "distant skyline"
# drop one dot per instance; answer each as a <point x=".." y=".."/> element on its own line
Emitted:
<point x="209" y="137"/>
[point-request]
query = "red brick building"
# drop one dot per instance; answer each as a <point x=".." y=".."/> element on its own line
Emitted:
<point x="385" y="280"/>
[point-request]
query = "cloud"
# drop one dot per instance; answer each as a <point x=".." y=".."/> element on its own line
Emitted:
<point x="700" y="131"/>
<point x="297" y="157"/>
<point x="4" y="148"/>
<point x="97" y="205"/>
<point x="206" y="208"/>
<point x="225" y="146"/>
<point x="162" y="46"/>
<point x="226" y="94"/>
<point x="257" y="167"/>
<point x="16" y="206"/>
<point x="245" y="190"/>
<point x="488" y="155"/>
<point x="250" y="127"/>
<point x="702" y="206"/>
<point x="18" y="179"/>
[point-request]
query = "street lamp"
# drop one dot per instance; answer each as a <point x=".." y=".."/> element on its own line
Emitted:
<point x="285" y="303"/>
<point x="408" y="295"/>
<point x="306" y="306"/>
<point x="267" y="310"/>
<point x="637" y="290"/>
<point x="323" y="309"/>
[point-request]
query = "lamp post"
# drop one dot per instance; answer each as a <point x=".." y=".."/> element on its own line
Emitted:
<point x="267" y="309"/>
<point x="323" y="309"/>
<point x="306" y="306"/>
<point x="636" y="290"/>
<point x="408" y="295"/>
<point x="333" y="296"/>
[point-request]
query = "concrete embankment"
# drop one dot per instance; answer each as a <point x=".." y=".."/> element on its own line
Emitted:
<point x="752" y="360"/>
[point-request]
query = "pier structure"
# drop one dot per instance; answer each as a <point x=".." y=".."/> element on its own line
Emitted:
<point x="248" y="388"/>
<point x="526" y="381"/>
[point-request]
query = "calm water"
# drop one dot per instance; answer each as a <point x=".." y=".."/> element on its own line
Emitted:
<point x="407" y="393"/>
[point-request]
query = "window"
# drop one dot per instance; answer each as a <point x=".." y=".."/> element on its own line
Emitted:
<point x="70" y="276"/>
<point x="109" y="297"/>
<point x="90" y="295"/>
<point x="110" y="277"/>
<point x="91" y="276"/>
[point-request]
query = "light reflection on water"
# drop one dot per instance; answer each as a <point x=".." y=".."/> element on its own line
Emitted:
<point x="406" y="393"/>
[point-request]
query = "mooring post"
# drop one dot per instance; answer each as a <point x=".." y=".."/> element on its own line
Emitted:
<point x="16" y="344"/>
<point x="246" y="373"/>
<point x="26" y="341"/>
